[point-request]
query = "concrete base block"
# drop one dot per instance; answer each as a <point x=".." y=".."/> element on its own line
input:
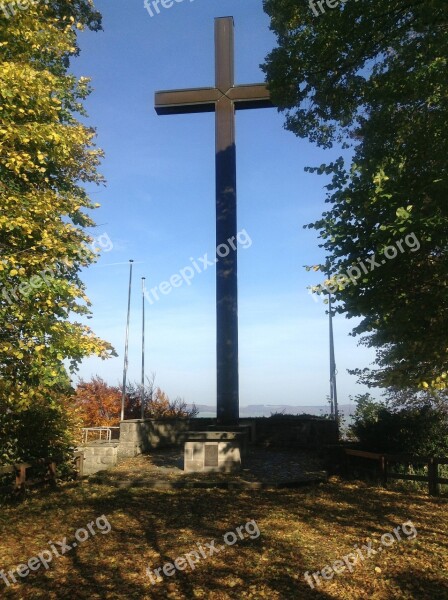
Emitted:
<point x="212" y="452"/>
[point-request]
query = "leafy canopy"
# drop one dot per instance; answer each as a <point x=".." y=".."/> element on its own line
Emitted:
<point x="372" y="76"/>
<point x="47" y="156"/>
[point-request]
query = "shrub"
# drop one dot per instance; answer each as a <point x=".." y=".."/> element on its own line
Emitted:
<point x="418" y="431"/>
<point x="43" y="430"/>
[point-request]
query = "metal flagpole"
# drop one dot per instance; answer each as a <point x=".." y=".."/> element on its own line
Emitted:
<point x="126" y="347"/>
<point x="333" y="389"/>
<point x="143" y="349"/>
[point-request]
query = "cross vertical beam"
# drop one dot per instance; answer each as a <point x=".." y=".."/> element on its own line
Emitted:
<point x="223" y="99"/>
<point x="227" y="400"/>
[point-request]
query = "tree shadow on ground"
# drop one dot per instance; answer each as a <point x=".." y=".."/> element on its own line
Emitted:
<point x="151" y="528"/>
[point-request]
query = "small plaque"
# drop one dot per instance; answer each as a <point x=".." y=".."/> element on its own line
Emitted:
<point x="211" y="455"/>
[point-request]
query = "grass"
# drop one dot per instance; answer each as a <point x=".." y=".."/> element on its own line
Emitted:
<point x="300" y="530"/>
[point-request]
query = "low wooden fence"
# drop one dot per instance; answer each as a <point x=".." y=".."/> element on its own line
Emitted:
<point x="385" y="460"/>
<point x="20" y="471"/>
<point x="22" y="481"/>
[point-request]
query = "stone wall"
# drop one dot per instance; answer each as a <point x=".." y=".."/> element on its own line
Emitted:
<point x="290" y="432"/>
<point x="201" y="423"/>
<point x="138" y="436"/>
<point x="296" y="432"/>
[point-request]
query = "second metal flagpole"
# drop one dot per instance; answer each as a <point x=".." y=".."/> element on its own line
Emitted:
<point x="126" y="347"/>
<point x="143" y="349"/>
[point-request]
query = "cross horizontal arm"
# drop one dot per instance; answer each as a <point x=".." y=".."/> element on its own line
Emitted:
<point x="198" y="100"/>
<point x="250" y="96"/>
<point x="195" y="100"/>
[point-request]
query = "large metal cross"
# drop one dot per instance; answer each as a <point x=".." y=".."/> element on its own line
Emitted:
<point x="223" y="99"/>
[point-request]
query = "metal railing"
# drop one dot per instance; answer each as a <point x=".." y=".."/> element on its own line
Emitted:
<point x="106" y="430"/>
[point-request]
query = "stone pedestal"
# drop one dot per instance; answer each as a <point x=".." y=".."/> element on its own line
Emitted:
<point x="98" y="456"/>
<point x="213" y="451"/>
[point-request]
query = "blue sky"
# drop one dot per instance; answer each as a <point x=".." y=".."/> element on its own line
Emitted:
<point x="158" y="209"/>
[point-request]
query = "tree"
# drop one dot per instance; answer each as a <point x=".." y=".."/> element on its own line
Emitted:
<point x="46" y="158"/>
<point x="396" y="399"/>
<point x="372" y="76"/>
<point x="99" y="404"/>
<point x="157" y="403"/>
